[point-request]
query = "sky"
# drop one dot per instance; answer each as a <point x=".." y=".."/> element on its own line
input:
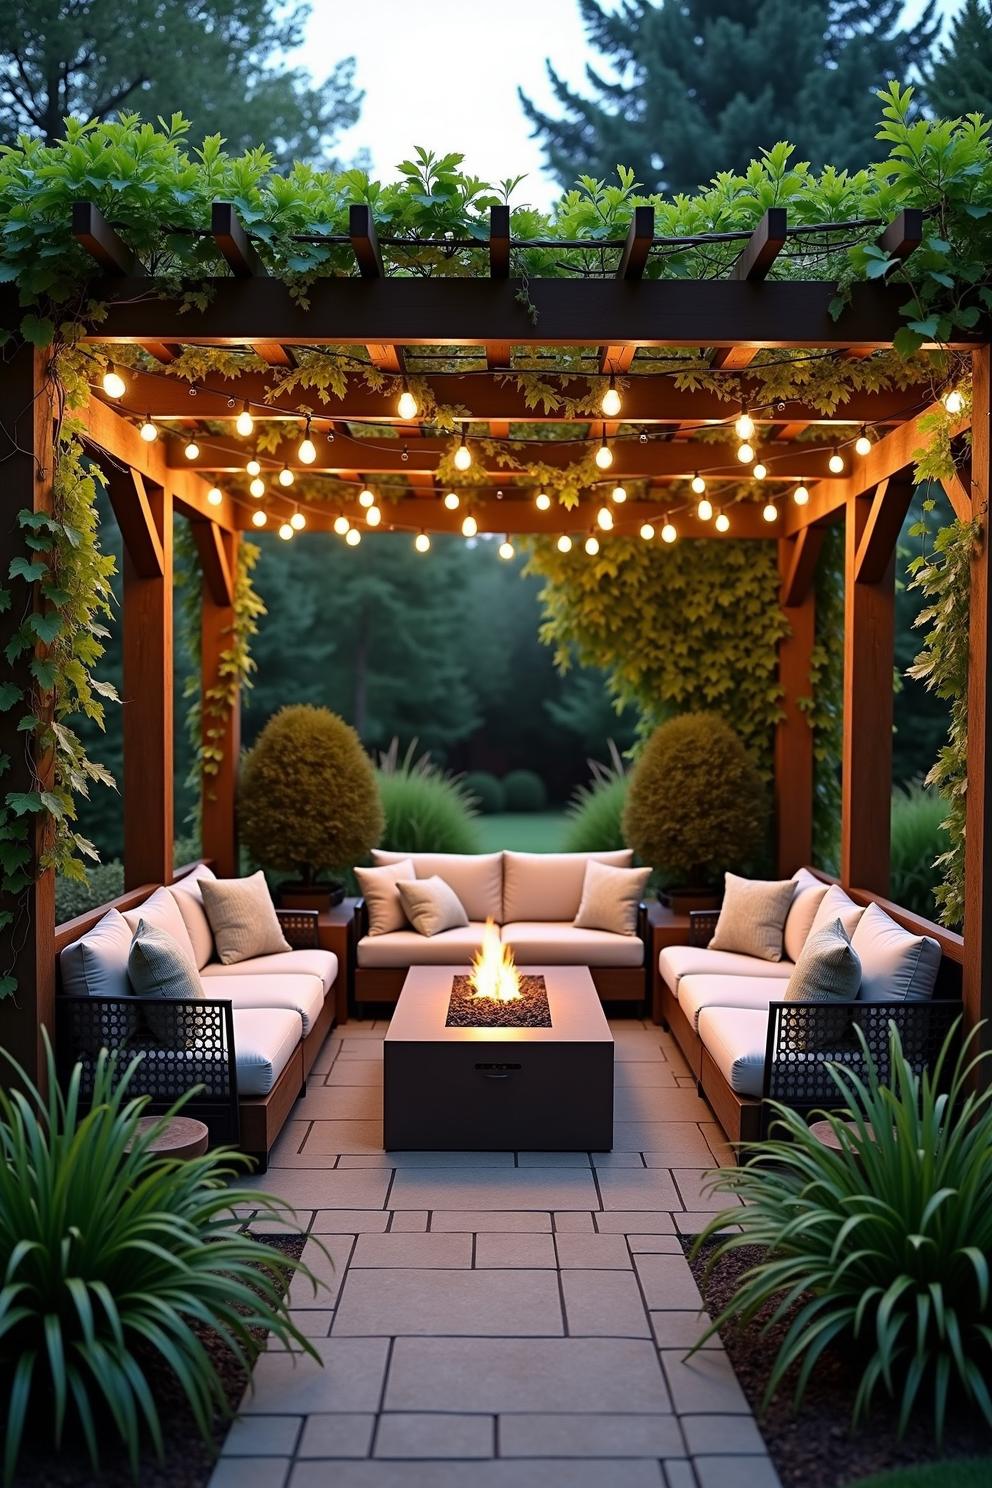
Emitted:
<point x="444" y="74"/>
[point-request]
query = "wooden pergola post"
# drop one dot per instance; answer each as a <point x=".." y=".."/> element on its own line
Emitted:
<point x="218" y="557"/>
<point x="28" y="946"/>
<point x="797" y="559"/>
<point x="977" y="973"/>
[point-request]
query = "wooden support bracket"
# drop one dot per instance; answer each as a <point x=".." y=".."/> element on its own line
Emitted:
<point x="212" y="550"/>
<point x="135" y="518"/>
<point x="883" y="524"/>
<point x="958" y="490"/>
<point x="804" y="553"/>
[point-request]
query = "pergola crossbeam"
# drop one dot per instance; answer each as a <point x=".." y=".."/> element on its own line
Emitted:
<point x="633" y="262"/>
<point x="239" y="252"/>
<point x="93" y="232"/>
<point x="368" y="256"/>
<point x="759" y="253"/>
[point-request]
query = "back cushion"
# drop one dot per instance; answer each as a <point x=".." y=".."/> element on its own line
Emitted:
<point x="190" y="900"/>
<point x="477" y="878"/>
<point x="806" y="900"/>
<point x="162" y="911"/>
<point x="548" y="886"/>
<point x="893" y="962"/>
<point x="96" y="964"/>
<point x="835" y="905"/>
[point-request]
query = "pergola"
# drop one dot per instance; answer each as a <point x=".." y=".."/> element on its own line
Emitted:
<point x="618" y="326"/>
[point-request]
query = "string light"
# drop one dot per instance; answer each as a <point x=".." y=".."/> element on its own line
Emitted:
<point x="800" y="495"/>
<point x="258" y="518"/>
<point x="836" y="462"/>
<point x="760" y="471"/>
<point x="745" y="453"/>
<point x="505" y="550"/>
<point x="286" y="476"/>
<point x="307" y="451"/>
<point x="244" y="423"/>
<point x="647" y="531"/>
<point x="257" y="488"/>
<point x="341" y="524"/>
<point x="612" y="401"/>
<point x="770" y="512"/>
<point x="408" y="408"/>
<point x="744" y="426"/>
<point x="192" y="450"/>
<point x="619" y="495"/>
<point x="604" y="455"/>
<point x="469" y="525"/>
<point x="253" y="467"/>
<point x="704" y="510"/>
<point x="668" y="532"/>
<point x="953" y="401"/>
<point x="463" y="455"/>
<point x="297" y="521"/>
<point x="862" y="445"/>
<point x="113" y="383"/>
<point x="698" y="484"/>
<point x="215" y="496"/>
<point x="148" y="431"/>
<point x="542" y="501"/>
<point x="452" y="501"/>
<point x="422" y="542"/>
<point x="373" y="516"/>
<point x="722" y="523"/>
<point x="353" y="537"/>
<point x="366" y="498"/>
<point x="592" y="545"/>
<point x="605" y="518"/>
<point x="285" y="532"/>
<point x="564" y="543"/>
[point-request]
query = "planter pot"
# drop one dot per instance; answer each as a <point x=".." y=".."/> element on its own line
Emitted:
<point x="310" y="896"/>
<point x="682" y="900"/>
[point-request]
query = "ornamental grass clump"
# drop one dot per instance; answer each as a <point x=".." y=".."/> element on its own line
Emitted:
<point x="883" y="1246"/>
<point x="424" y="810"/>
<point x="115" y="1264"/>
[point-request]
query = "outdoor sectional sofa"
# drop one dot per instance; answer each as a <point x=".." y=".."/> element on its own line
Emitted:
<point x="532" y="897"/>
<point x="747" y="1045"/>
<point x="250" y="1041"/>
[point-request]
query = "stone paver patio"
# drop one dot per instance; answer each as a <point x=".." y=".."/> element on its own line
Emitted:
<point x="497" y="1320"/>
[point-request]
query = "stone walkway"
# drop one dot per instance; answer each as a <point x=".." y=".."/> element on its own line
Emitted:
<point x="497" y="1320"/>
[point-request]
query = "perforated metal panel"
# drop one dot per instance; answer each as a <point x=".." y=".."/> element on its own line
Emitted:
<point x="300" y="927"/>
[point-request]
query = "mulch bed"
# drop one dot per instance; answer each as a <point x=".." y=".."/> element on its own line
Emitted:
<point x="530" y="1010"/>
<point x="814" y="1446"/>
<point x="189" y="1460"/>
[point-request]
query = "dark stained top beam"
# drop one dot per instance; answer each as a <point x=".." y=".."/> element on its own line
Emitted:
<point x="904" y="234"/>
<point x="94" y="233"/>
<point x="762" y="248"/>
<point x="361" y="231"/>
<point x="640" y="236"/>
<point x="233" y="242"/>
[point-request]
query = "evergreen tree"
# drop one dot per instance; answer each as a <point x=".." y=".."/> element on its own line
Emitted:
<point x="212" y="60"/>
<point x="960" y="79"/>
<point x="701" y="86"/>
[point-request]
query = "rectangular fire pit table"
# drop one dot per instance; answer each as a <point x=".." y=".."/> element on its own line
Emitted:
<point x="498" y="1089"/>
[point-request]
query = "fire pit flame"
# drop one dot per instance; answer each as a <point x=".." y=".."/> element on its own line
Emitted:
<point x="493" y="971"/>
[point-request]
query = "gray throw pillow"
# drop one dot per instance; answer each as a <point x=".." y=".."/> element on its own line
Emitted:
<point x="431" y="905"/>
<point x="158" y="966"/>
<point x="752" y="919"/>
<point x="828" y="969"/>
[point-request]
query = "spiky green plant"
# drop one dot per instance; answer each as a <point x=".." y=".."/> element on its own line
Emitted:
<point x="595" y="812"/>
<point x="919" y="838"/>
<point x="886" y="1243"/>
<point x="111" y="1259"/>
<point x="424" y="809"/>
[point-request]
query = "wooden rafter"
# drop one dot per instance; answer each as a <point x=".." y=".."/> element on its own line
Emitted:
<point x="368" y="255"/>
<point x="498" y="353"/>
<point x="633" y="261"/>
<point x="753" y="264"/>
<point x="902" y="237"/>
<point x="236" y="247"/>
<point x="93" y="232"/>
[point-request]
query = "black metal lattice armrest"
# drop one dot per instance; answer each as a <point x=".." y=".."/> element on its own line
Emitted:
<point x="301" y="928"/>
<point x="702" y="925"/>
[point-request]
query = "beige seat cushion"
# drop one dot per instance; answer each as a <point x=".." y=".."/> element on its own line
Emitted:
<point x="378" y="888"/>
<point x="756" y="992"/>
<point x="547" y="943"/>
<point x="161" y="910"/>
<point x="242" y="917"/>
<point x="610" y="898"/>
<point x="835" y="905"/>
<point x="303" y="995"/>
<point x="186" y="892"/>
<point x="477" y="878"/>
<point x="407" y="948"/>
<point x="752" y="919"/>
<point x="320" y="964"/>
<point x="265" y="1040"/>
<point x="675" y="962"/>
<point x="735" y="1040"/>
<point x="806" y="900"/>
<point x="431" y="905"/>
<point x="893" y="962"/>
<point x="548" y="886"/>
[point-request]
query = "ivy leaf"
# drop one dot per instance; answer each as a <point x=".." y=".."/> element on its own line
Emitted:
<point x="45" y="673"/>
<point x="9" y="695"/>
<point x="24" y="803"/>
<point x="8" y="986"/>
<point x="45" y="627"/>
<point x="906" y="342"/>
<point x="23" y="568"/>
<point x="927" y="329"/>
<point x="38" y="330"/>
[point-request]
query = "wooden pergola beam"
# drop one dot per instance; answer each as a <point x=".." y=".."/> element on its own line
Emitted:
<point x="957" y="488"/>
<point x="799" y="556"/>
<point x="886" y="515"/>
<point x="237" y="248"/>
<point x="904" y="234"/>
<point x="368" y="255"/>
<point x="977" y="981"/>
<point x="135" y="519"/>
<point x="633" y="262"/>
<point x="499" y="353"/>
<point x="794" y="755"/>
<point x="93" y="232"/>
<point x="212" y="548"/>
<point x="753" y="264"/>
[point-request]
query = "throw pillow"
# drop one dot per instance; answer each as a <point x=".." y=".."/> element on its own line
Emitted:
<point x="835" y="905"/>
<point x="894" y="964"/>
<point x="753" y="917"/>
<point x="243" y="918"/>
<point x="806" y="900"/>
<point x="431" y="905"/>
<point x="610" y="897"/>
<point x="382" y="900"/>
<point x="96" y="964"/>
<point x="187" y="894"/>
<point x="828" y="970"/>
<point x="159" y="966"/>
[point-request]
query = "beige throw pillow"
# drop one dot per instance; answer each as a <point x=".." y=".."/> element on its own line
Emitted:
<point x="753" y="916"/>
<point x="835" y="905"/>
<point x="806" y="900"/>
<point x="382" y="900"/>
<point x="610" y="897"/>
<point x="243" y="918"/>
<point x="828" y="969"/>
<point x="431" y="905"/>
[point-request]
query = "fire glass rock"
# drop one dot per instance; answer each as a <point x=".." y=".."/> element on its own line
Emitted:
<point x="467" y="1010"/>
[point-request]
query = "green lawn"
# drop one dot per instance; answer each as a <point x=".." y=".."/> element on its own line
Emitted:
<point x="971" y="1472"/>
<point x="538" y="831"/>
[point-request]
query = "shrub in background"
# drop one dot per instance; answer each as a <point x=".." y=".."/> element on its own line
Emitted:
<point x="524" y="791"/>
<point x="102" y="883"/>
<point x="595" y="813"/>
<point x="486" y="791"/>
<point x="696" y="805"/>
<point x="307" y="801"/>
<point x="423" y="809"/>
<point x="918" y="839"/>
<point x="883" y="1246"/>
<point x="111" y="1259"/>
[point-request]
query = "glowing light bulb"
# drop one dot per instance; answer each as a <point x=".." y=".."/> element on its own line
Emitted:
<point x="604" y="456"/>
<point x="469" y="525"/>
<point x="698" y="484"/>
<point x="592" y="546"/>
<point x="307" y="451"/>
<point x="244" y="423"/>
<point x="407" y="408"/>
<point x="285" y="532"/>
<point x="452" y="500"/>
<point x="704" y="510"/>
<point x="113" y="383"/>
<point x="286" y="476"/>
<point x="770" y="512"/>
<point x="668" y="532"/>
<point x="353" y="537"/>
<point x="836" y="463"/>
<point x="422" y="542"/>
<point x="760" y="471"/>
<point x="148" y="431"/>
<point x="215" y="496"/>
<point x="722" y="523"/>
<point x="744" y="427"/>
<point x="618" y="495"/>
<point x="647" y="531"/>
<point x="463" y="455"/>
<point x="612" y="402"/>
<point x="542" y="501"/>
<point x="253" y="467"/>
<point x="800" y="495"/>
<point x="341" y="524"/>
<point x="373" y="516"/>
<point x="745" y="453"/>
<point x="862" y="445"/>
<point x="505" y="550"/>
<point x="952" y="401"/>
<point x="366" y="498"/>
<point x="604" y="518"/>
<point x="257" y="487"/>
<point x="297" y="521"/>
<point x="192" y="450"/>
<point x="258" y="518"/>
<point x="564" y="543"/>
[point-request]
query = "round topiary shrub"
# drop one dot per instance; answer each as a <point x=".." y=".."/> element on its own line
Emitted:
<point x="696" y="805"/>
<point x="486" y="791"/>
<point x="524" y="791"/>
<point x="308" y="801"/>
